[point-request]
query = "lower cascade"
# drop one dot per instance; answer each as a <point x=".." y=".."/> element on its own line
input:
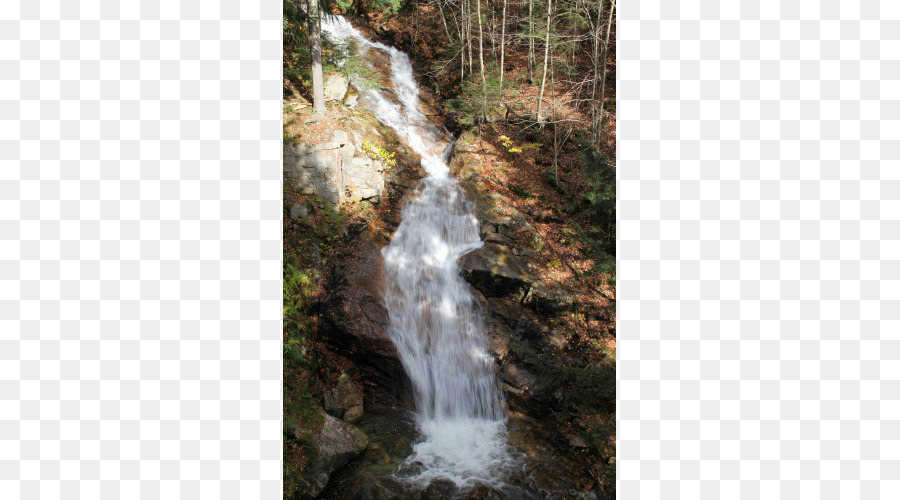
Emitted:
<point x="434" y="322"/>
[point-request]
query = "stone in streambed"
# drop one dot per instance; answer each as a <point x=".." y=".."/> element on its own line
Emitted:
<point x="370" y="486"/>
<point x="439" y="489"/>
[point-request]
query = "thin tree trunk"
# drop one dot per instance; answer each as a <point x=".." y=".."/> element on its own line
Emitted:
<point x="555" y="125"/>
<point x="481" y="62"/>
<point x="462" y="42"/>
<point x="531" y="40"/>
<point x="444" y="21"/>
<point x="315" y="50"/>
<point x="481" y="48"/>
<point x="546" y="59"/>
<point x="469" y="35"/>
<point x="612" y="9"/>
<point x="502" y="44"/>
<point x="596" y="37"/>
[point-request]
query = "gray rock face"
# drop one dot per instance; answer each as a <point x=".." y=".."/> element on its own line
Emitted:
<point x="345" y="400"/>
<point x="299" y="211"/>
<point x="336" y="86"/>
<point x="335" y="444"/>
<point x="333" y="171"/>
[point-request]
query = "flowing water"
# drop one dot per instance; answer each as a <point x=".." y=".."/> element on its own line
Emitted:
<point x="459" y="410"/>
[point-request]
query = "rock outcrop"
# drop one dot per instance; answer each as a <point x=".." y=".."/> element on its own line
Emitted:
<point x="337" y="170"/>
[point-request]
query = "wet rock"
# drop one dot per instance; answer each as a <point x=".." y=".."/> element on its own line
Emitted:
<point x="356" y="319"/>
<point x="370" y="487"/>
<point x="299" y="211"/>
<point x="361" y="316"/>
<point x="336" y="443"/>
<point x="549" y="298"/>
<point x="482" y="492"/>
<point x="495" y="271"/>
<point x="336" y="86"/>
<point x="439" y="489"/>
<point x="345" y="400"/>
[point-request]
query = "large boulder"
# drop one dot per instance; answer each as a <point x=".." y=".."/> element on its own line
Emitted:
<point x="335" y="444"/>
<point x="496" y="272"/>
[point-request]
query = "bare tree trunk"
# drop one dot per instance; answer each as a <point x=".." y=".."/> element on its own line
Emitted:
<point x="462" y="42"/>
<point x="546" y="59"/>
<point x="531" y="40"/>
<point x="315" y="50"/>
<point x="481" y="48"/>
<point x="555" y="125"/>
<point x="469" y="35"/>
<point x="502" y="44"/>
<point x="444" y="21"/>
<point x="596" y="37"/>
<point x="612" y="9"/>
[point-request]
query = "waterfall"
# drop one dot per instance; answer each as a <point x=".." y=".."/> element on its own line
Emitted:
<point x="436" y="326"/>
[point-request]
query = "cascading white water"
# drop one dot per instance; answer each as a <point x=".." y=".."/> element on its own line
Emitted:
<point x="434" y="322"/>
